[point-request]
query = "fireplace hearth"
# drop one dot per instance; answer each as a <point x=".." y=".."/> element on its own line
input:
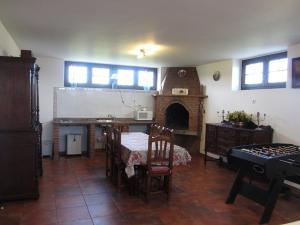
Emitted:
<point x="177" y="117"/>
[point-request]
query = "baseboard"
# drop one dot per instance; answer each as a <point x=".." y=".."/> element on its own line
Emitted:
<point x="212" y="155"/>
<point x="292" y="184"/>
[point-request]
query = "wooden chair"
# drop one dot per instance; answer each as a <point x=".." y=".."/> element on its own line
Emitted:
<point x="160" y="161"/>
<point x="118" y="167"/>
<point x="108" y="151"/>
<point x="137" y="182"/>
<point x="155" y="130"/>
<point x="123" y="127"/>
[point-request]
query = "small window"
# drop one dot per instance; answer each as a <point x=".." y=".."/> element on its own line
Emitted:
<point x="100" y="76"/>
<point x="254" y="73"/>
<point x="277" y="71"/>
<point x="81" y="74"/>
<point x="265" y="72"/>
<point x="77" y="74"/>
<point x="125" y="77"/>
<point x="145" y="78"/>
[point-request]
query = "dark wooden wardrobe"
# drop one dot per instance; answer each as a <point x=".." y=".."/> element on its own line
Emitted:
<point x="20" y="129"/>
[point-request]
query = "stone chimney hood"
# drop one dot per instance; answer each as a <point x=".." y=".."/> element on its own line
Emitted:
<point x="181" y="77"/>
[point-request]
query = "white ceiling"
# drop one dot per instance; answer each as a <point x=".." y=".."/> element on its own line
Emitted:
<point x="191" y="32"/>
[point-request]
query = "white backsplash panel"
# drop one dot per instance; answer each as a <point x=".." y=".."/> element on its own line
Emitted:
<point x="97" y="103"/>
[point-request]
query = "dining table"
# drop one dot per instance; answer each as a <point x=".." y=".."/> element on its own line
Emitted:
<point x="134" y="152"/>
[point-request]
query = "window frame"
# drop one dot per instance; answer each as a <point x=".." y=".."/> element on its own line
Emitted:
<point x="112" y="70"/>
<point x="265" y="60"/>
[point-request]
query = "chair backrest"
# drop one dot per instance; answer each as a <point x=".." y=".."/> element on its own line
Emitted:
<point x="155" y="130"/>
<point x="161" y="148"/>
<point x="116" y="136"/>
<point x="167" y="132"/>
<point x="123" y="127"/>
<point x="109" y="140"/>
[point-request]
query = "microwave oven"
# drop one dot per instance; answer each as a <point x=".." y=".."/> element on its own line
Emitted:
<point x="143" y="115"/>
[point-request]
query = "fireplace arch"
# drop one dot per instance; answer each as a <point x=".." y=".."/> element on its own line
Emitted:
<point x="177" y="117"/>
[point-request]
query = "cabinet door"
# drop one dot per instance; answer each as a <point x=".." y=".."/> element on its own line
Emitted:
<point x="18" y="165"/>
<point x="262" y="137"/>
<point x="211" y="138"/>
<point x="226" y="139"/>
<point x="245" y="138"/>
<point x="15" y="112"/>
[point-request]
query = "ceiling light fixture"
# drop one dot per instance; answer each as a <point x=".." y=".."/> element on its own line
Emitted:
<point x="145" y="50"/>
<point x="141" y="54"/>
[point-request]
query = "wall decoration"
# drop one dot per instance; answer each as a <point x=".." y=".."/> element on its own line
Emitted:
<point x="216" y="75"/>
<point x="296" y="73"/>
<point x="181" y="73"/>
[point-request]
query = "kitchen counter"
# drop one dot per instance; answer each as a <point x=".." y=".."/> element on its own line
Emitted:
<point x="91" y="124"/>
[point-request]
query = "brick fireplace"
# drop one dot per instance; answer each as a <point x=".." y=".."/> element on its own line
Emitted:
<point x="180" y="105"/>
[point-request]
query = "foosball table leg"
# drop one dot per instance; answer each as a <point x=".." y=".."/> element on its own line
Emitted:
<point x="236" y="186"/>
<point x="274" y="190"/>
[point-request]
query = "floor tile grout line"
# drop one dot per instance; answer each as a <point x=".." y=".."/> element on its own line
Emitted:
<point x="56" y="213"/>
<point x="81" y="191"/>
<point x="110" y="197"/>
<point x="56" y="209"/>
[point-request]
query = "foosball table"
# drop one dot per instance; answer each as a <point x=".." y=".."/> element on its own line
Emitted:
<point x="272" y="162"/>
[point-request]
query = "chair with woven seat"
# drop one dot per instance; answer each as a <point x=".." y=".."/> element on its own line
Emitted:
<point x="118" y="167"/>
<point x="137" y="181"/>
<point x="160" y="161"/>
<point x="108" y="151"/>
<point x="155" y="130"/>
<point x="123" y="127"/>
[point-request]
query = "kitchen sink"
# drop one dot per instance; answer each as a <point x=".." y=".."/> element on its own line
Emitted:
<point x="104" y="120"/>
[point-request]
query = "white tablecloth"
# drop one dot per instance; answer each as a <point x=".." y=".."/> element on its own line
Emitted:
<point x="135" y="147"/>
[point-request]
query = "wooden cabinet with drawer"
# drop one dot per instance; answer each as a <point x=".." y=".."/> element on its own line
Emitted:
<point x="20" y="128"/>
<point x="220" y="138"/>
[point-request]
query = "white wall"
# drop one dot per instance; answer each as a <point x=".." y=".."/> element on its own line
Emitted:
<point x="51" y="75"/>
<point x="280" y="105"/>
<point x="8" y="46"/>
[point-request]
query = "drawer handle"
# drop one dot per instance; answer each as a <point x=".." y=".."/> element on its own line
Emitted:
<point x="258" y="169"/>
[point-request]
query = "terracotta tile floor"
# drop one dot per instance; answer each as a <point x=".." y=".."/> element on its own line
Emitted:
<point x="75" y="191"/>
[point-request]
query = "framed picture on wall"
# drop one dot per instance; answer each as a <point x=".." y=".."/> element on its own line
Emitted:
<point x="296" y="73"/>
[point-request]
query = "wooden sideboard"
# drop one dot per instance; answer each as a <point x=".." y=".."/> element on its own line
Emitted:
<point x="219" y="138"/>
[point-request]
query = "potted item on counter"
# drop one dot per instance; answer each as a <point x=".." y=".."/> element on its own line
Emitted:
<point x="239" y="118"/>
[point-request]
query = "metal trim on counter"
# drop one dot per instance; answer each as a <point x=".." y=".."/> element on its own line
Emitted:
<point x="85" y="121"/>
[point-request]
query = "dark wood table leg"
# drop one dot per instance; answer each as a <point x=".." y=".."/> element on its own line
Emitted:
<point x="91" y="140"/>
<point x="274" y="190"/>
<point x="55" y="138"/>
<point x="236" y="186"/>
<point x="205" y="156"/>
